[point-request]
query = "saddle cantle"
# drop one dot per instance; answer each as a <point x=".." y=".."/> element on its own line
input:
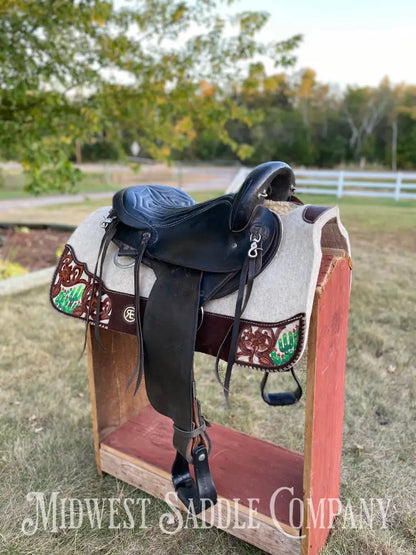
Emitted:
<point x="198" y="252"/>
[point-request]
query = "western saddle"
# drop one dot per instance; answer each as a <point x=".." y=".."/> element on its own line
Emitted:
<point x="198" y="252"/>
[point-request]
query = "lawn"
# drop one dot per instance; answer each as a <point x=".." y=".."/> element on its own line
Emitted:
<point x="12" y="182"/>
<point x="46" y="438"/>
<point x="103" y="177"/>
<point x="100" y="178"/>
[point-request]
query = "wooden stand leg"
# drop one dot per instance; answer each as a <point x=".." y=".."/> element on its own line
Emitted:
<point x="110" y="367"/>
<point x="325" y="404"/>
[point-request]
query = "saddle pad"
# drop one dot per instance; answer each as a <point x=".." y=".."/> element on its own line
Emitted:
<point x="274" y="326"/>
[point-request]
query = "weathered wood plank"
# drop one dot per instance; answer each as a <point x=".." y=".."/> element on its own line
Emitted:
<point x="233" y="518"/>
<point x="325" y="402"/>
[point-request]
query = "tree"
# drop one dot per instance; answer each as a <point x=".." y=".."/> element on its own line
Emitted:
<point x="70" y="69"/>
<point x="404" y="131"/>
<point x="365" y="108"/>
<point x="401" y="108"/>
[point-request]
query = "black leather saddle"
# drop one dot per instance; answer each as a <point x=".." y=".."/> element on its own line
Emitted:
<point x="198" y="252"/>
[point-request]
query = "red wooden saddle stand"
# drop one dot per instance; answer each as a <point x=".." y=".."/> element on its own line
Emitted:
<point x="134" y="443"/>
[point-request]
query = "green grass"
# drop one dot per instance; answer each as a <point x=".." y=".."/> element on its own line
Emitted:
<point x="371" y="214"/>
<point x="45" y="422"/>
<point x="12" y="183"/>
<point x="73" y="214"/>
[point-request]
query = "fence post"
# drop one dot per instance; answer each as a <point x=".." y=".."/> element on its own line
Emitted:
<point x="398" y="186"/>
<point x="340" y="184"/>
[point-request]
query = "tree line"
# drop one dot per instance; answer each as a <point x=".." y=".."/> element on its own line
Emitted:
<point x="305" y="122"/>
<point x="298" y="119"/>
<point x="87" y="78"/>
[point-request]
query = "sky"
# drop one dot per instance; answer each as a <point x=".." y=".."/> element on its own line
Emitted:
<point x="347" y="42"/>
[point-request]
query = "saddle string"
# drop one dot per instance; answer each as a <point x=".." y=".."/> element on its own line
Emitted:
<point x="110" y="229"/>
<point x="242" y="300"/>
<point x="108" y="237"/>
<point x="139" y="368"/>
<point x="244" y="292"/>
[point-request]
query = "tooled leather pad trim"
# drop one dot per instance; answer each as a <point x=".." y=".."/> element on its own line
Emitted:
<point x="274" y="347"/>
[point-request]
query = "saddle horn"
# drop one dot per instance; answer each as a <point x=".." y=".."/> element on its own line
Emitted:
<point x="272" y="180"/>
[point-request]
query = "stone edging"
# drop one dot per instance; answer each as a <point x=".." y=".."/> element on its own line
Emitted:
<point x="18" y="284"/>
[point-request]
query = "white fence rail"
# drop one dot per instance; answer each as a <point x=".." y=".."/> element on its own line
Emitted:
<point x="399" y="185"/>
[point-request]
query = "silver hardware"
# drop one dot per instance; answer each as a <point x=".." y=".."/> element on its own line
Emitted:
<point x="107" y="221"/>
<point x="262" y="195"/>
<point x="254" y="246"/>
<point x="201" y="457"/>
<point x="201" y="308"/>
<point x="122" y="266"/>
<point x="234" y="245"/>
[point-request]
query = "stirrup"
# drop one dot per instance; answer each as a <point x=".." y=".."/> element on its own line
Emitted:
<point x="198" y="495"/>
<point x="283" y="398"/>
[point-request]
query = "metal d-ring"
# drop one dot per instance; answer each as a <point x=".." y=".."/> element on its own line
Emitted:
<point x="265" y="194"/>
<point x="254" y="246"/>
<point x="200" y="317"/>
<point x="122" y="266"/>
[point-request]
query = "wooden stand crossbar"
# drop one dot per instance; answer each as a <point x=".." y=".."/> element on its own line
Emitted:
<point x="134" y="443"/>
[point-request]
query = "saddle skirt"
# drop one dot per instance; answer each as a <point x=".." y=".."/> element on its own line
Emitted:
<point x="274" y="326"/>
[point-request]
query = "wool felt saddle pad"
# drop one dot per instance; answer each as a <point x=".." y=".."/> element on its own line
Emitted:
<point x="274" y="326"/>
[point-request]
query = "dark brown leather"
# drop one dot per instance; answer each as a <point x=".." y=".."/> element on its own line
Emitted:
<point x="312" y="213"/>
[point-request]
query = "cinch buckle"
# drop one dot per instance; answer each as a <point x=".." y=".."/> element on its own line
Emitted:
<point x="254" y="246"/>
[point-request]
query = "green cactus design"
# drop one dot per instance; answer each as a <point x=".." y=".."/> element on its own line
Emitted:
<point x="68" y="299"/>
<point x="287" y="344"/>
<point x="276" y="358"/>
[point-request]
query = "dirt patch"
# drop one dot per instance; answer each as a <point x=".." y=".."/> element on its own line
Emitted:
<point x="33" y="249"/>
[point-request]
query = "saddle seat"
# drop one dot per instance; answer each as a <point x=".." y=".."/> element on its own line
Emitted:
<point x="197" y="237"/>
<point x="154" y="205"/>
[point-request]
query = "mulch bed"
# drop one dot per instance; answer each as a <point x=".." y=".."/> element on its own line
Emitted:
<point x="33" y="249"/>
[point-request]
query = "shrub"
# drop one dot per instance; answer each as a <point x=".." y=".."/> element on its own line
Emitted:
<point x="10" y="269"/>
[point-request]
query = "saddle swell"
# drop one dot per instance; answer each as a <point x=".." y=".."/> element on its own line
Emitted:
<point x="199" y="252"/>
